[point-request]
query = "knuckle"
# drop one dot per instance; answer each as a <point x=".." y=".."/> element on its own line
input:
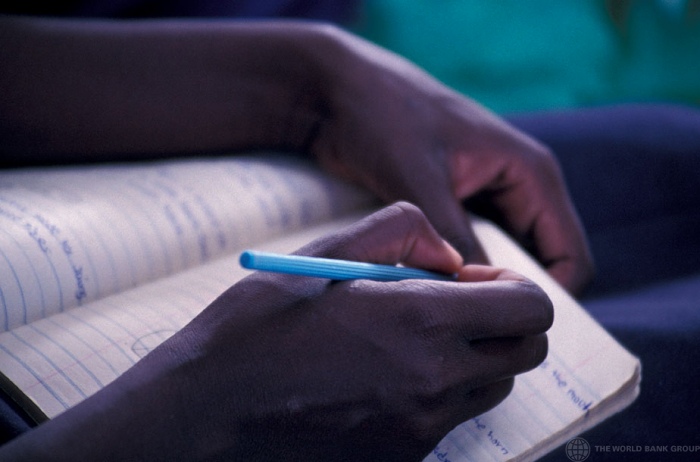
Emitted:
<point x="540" y="349"/>
<point x="537" y="158"/>
<point x="409" y="212"/>
<point x="430" y="382"/>
<point x="537" y="301"/>
<point x="544" y="162"/>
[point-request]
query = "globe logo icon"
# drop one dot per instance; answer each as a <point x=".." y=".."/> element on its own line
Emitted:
<point x="577" y="450"/>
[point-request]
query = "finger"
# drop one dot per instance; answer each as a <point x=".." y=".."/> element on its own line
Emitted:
<point x="463" y="311"/>
<point x="507" y="357"/>
<point x="399" y="233"/>
<point x="483" y="273"/>
<point x="450" y="219"/>
<point x="566" y="254"/>
<point x="453" y="223"/>
<point x="485" y="398"/>
<point x="499" y="361"/>
<point x="459" y="406"/>
<point x="559" y="240"/>
<point x="418" y="430"/>
<point x="525" y="193"/>
<point x="503" y="308"/>
<point x="507" y="305"/>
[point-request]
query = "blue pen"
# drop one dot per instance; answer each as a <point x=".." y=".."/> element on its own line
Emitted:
<point x="339" y="270"/>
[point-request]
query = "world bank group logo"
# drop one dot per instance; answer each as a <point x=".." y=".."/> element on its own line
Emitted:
<point x="577" y="450"/>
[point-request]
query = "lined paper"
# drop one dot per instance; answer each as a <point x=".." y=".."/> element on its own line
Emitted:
<point x="88" y="254"/>
<point x="61" y="360"/>
<point x="586" y="376"/>
<point x="69" y="236"/>
<point x="584" y="368"/>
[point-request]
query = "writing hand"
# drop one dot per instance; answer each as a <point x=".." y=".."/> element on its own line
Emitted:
<point x="362" y="370"/>
<point x="405" y="136"/>
<point x="310" y="369"/>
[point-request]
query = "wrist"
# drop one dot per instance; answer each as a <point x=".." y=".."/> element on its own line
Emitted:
<point x="311" y="65"/>
<point x="281" y="76"/>
<point x="171" y="86"/>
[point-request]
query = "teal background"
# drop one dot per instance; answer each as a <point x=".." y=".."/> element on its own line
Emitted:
<point x="540" y="54"/>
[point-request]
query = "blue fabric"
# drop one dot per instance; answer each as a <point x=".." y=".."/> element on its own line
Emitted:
<point x="13" y="420"/>
<point x="634" y="174"/>
<point x="661" y="324"/>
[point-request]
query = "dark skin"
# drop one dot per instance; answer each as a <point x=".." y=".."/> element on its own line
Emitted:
<point x="395" y="365"/>
<point x="95" y="91"/>
<point x="297" y="366"/>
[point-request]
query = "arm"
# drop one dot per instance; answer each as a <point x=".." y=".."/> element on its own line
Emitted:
<point x="405" y="136"/>
<point x="101" y="90"/>
<point x="303" y="369"/>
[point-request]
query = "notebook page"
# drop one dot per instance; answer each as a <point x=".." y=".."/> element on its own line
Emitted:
<point x="61" y="360"/>
<point x="72" y="235"/>
<point x="57" y="370"/>
<point x="571" y="389"/>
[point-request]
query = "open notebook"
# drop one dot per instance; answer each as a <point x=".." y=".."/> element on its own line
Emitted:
<point x="98" y="265"/>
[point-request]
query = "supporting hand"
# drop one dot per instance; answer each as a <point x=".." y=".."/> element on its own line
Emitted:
<point x="405" y="136"/>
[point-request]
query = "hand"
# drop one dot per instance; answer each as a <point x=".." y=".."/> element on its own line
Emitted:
<point x="364" y="112"/>
<point x="363" y="370"/>
<point x="308" y="369"/>
<point x="403" y="135"/>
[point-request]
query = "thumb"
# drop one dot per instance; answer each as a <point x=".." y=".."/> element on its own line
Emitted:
<point x="452" y="222"/>
<point x="399" y="233"/>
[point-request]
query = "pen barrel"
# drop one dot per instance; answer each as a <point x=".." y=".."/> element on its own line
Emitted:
<point x="328" y="268"/>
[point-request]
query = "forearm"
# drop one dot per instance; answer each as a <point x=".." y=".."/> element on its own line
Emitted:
<point x="146" y="414"/>
<point x="94" y="90"/>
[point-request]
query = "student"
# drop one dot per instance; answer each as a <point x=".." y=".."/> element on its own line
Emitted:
<point x="99" y="90"/>
<point x="276" y="366"/>
<point x="369" y="116"/>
